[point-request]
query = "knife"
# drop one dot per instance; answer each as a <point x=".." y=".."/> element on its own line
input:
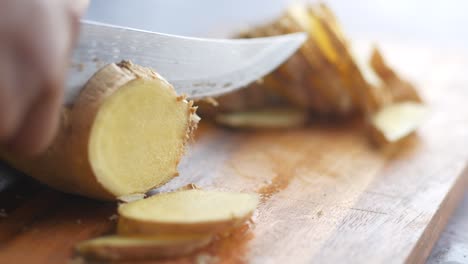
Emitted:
<point x="196" y="67"/>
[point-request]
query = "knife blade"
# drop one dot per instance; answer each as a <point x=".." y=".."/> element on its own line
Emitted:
<point x="196" y="67"/>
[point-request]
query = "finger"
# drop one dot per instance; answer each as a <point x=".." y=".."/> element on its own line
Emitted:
<point x="25" y="92"/>
<point x="40" y="124"/>
<point x="46" y="47"/>
<point x="28" y="83"/>
<point x="9" y="105"/>
<point x="47" y="42"/>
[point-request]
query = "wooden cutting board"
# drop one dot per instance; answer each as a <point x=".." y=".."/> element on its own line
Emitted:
<point x="328" y="196"/>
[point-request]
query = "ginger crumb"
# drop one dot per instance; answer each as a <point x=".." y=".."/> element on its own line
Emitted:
<point x="190" y="186"/>
<point x="181" y="97"/>
<point x="131" y="197"/>
<point x="210" y="100"/>
<point x="113" y="217"/>
<point x="193" y="186"/>
<point x="78" y="221"/>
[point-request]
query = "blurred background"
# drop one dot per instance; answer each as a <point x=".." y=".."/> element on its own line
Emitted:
<point x="433" y="22"/>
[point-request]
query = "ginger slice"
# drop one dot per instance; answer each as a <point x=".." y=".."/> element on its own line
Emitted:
<point x="116" y="247"/>
<point x="186" y="212"/>
<point x="326" y="55"/>
<point x="394" y="122"/>
<point x="266" y="118"/>
<point x="125" y="134"/>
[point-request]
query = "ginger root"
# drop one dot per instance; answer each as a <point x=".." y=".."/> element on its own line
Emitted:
<point x="125" y="134"/>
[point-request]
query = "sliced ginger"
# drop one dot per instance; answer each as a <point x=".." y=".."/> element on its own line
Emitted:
<point x="125" y="134"/>
<point x="396" y="121"/>
<point x="264" y="119"/>
<point x="325" y="78"/>
<point x="116" y="247"/>
<point x="400" y="89"/>
<point x="138" y="137"/>
<point x="171" y="224"/>
<point x="186" y="212"/>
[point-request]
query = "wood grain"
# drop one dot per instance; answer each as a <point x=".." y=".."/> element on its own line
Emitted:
<point x="328" y="196"/>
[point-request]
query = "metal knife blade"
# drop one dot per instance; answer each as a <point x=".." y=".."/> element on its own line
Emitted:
<point x="194" y="66"/>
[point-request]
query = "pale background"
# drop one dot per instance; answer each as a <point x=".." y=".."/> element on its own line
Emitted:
<point x="441" y="25"/>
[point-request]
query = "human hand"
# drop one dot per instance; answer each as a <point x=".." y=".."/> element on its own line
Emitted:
<point x="36" y="37"/>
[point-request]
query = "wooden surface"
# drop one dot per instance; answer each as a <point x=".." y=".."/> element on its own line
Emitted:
<point x="328" y="196"/>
